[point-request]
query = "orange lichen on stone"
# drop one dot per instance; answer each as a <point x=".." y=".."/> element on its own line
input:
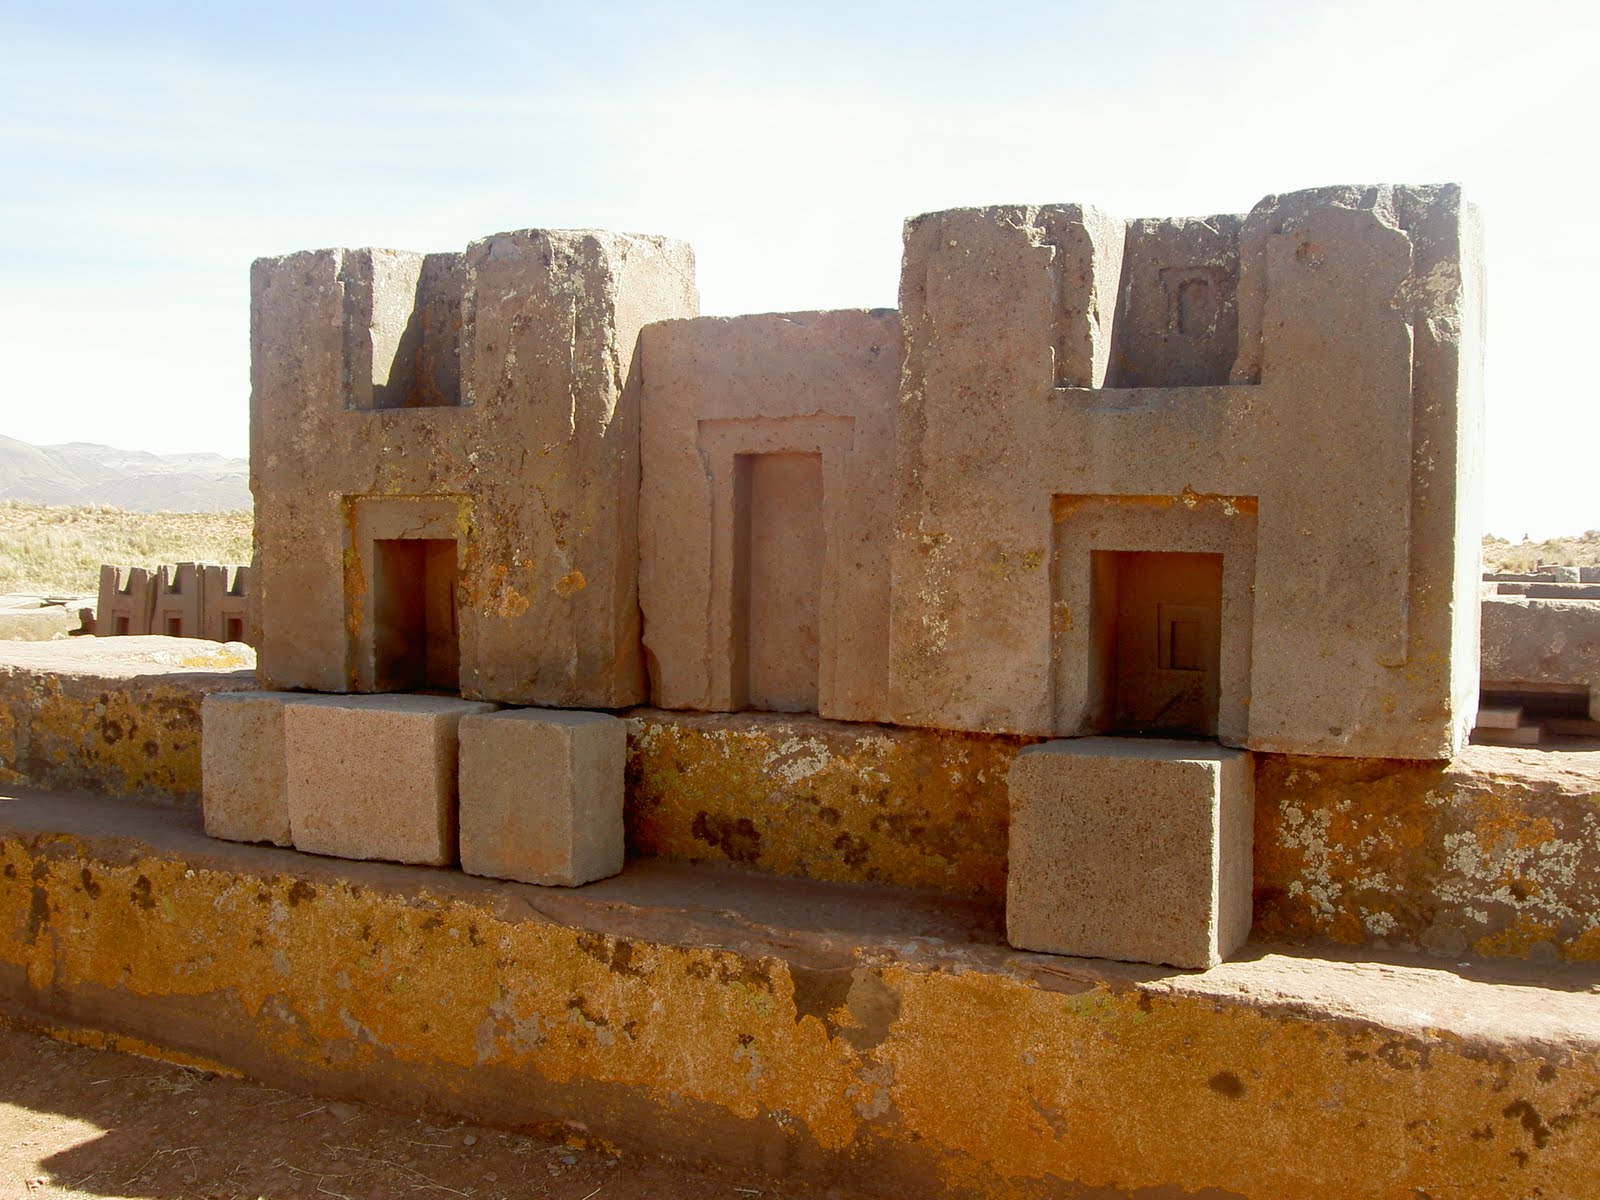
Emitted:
<point x="1064" y="506"/>
<point x="1497" y="853"/>
<point x="1448" y="856"/>
<point x="128" y="734"/>
<point x="928" y="1065"/>
<point x="97" y="1039"/>
<point x="8" y="747"/>
<point x="821" y="799"/>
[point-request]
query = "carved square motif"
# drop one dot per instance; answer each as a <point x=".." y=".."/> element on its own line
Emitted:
<point x="1194" y="299"/>
<point x="1181" y="637"/>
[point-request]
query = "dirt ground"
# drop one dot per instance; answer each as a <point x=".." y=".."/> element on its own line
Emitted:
<point x="76" y="1122"/>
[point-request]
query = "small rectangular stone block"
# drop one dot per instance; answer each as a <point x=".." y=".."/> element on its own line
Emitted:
<point x="1496" y="717"/>
<point x="241" y="766"/>
<point x="541" y="795"/>
<point x="1131" y="849"/>
<point x="375" y="776"/>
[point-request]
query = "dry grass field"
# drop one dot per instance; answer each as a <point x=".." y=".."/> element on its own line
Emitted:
<point x="58" y="551"/>
<point x="1582" y="550"/>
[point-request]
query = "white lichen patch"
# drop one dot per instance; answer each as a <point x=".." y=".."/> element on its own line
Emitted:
<point x="799" y="758"/>
<point x="872" y="1093"/>
<point x="879" y="745"/>
<point x="1379" y="924"/>
<point x="1542" y="881"/>
<point x="1325" y="889"/>
<point x="503" y="1030"/>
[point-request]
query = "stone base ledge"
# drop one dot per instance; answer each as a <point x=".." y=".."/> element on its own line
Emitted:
<point x="118" y="715"/>
<point x="1493" y="855"/>
<point x="879" y="1039"/>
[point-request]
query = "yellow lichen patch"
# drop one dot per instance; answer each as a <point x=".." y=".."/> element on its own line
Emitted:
<point x="505" y="601"/>
<point x="97" y="1039"/>
<point x="801" y="796"/>
<point x="1241" y="1100"/>
<point x="1516" y="939"/>
<point x="734" y="1041"/>
<point x="126" y="736"/>
<point x="1442" y="854"/>
<point x="19" y="916"/>
<point x="214" y="656"/>
<point x="427" y="980"/>
<point x="1333" y="839"/>
<point x="8" y="747"/>
<point x="1585" y="947"/>
<point x="355" y="579"/>
<point x="1065" y="506"/>
<point x="960" y="1067"/>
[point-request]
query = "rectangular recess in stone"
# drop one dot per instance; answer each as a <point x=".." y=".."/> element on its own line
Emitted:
<point x="1144" y="589"/>
<point x="1177" y="322"/>
<point x="402" y="314"/>
<point x="723" y="398"/>
<point x="404" y="565"/>
<point x="1157" y="624"/>
<point x="780" y="549"/>
<point x="1131" y="849"/>
<point x="414" y="615"/>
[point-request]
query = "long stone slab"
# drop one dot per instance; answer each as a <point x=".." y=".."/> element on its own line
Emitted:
<point x="856" y="1036"/>
<point x="1531" y="643"/>
<point x="1496" y="853"/>
<point x="118" y="715"/>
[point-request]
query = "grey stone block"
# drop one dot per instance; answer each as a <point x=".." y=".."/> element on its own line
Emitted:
<point x="1131" y="849"/>
<point x="242" y="766"/>
<point x="541" y="795"/>
<point x="1537" y="645"/>
<point x="374" y="777"/>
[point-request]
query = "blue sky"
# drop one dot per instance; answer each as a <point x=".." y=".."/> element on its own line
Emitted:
<point x="150" y="152"/>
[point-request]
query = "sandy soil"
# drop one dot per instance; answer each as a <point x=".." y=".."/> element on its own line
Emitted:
<point x="90" y="1123"/>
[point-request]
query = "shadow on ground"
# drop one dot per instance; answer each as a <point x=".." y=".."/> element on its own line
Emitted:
<point x="78" y="1122"/>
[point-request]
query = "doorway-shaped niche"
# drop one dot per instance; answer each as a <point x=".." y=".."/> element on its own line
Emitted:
<point x="403" y="567"/>
<point x="780" y="550"/>
<point x="1157" y="623"/>
<point x="415" y="643"/>
<point x="1152" y="615"/>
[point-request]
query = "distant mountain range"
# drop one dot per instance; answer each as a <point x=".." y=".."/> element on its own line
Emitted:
<point x="84" y="473"/>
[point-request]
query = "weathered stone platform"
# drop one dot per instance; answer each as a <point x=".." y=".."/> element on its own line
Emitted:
<point x="1496" y="854"/>
<point x="878" y="1038"/>
<point x="118" y="715"/>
